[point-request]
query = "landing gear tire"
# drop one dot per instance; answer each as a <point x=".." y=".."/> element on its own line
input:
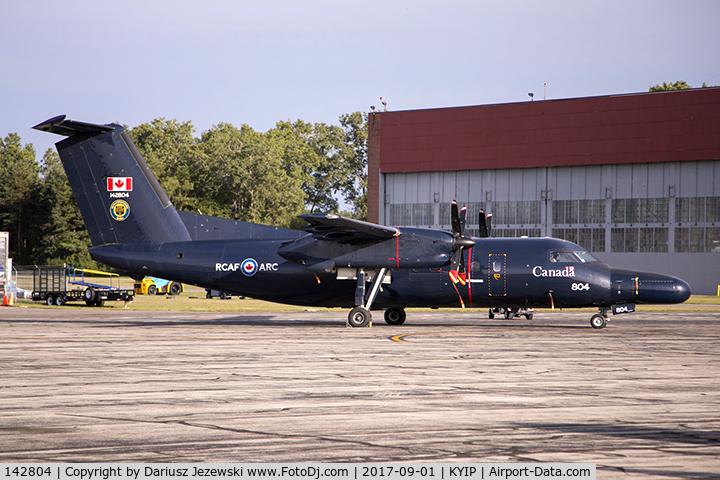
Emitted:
<point x="359" y="317"/>
<point x="508" y="314"/>
<point x="491" y="314"/>
<point x="395" y="316"/>
<point x="598" y="321"/>
<point x="529" y="316"/>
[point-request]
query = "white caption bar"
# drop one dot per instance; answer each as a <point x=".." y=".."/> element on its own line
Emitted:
<point x="294" y="471"/>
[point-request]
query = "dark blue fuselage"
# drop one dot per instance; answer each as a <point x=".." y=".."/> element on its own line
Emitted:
<point x="501" y="272"/>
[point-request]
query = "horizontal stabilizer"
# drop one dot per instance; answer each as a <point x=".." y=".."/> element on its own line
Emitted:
<point x="68" y="128"/>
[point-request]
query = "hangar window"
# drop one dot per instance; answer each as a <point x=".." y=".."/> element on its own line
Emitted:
<point x="512" y="232"/>
<point x="411" y="214"/>
<point x="591" y="239"/>
<point x="640" y="210"/>
<point x="578" y="211"/>
<point x="643" y="240"/>
<point x="520" y="212"/>
<point x="697" y="210"/>
<point x="653" y="240"/>
<point x="624" y="240"/>
<point x="712" y="239"/>
<point x="697" y="240"/>
<point x="712" y="209"/>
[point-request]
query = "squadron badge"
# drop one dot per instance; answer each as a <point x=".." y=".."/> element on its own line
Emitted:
<point x="119" y="210"/>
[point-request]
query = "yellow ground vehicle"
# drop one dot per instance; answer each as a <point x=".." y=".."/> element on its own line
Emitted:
<point x="155" y="286"/>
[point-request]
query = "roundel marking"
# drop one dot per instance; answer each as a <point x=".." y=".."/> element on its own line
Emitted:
<point x="119" y="210"/>
<point x="249" y="267"/>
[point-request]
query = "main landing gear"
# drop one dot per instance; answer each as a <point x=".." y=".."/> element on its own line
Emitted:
<point x="360" y="316"/>
<point x="395" y="316"/>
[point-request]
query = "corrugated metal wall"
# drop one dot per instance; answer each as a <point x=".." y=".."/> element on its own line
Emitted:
<point x="662" y="217"/>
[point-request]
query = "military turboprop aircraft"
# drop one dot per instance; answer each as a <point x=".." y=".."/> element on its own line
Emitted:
<point x="336" y="261"/>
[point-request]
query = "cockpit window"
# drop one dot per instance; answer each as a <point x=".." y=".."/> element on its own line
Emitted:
<point x="565" y="256"/>
<point x="585" y="257"/>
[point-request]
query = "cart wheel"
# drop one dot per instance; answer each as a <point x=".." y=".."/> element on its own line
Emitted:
<point x="89" y="294"/>
<point x="175" y="288"/>
<point x="59" y="300"/>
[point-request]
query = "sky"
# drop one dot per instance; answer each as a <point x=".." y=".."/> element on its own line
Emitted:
<point x="259" y="62"/>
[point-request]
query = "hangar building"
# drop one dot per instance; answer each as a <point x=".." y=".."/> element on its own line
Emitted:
<point x="634" y="179"/>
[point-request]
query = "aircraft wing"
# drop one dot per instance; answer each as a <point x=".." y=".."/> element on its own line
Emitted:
<point x="326" y="226"/>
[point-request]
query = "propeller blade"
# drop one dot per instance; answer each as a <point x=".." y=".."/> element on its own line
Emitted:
<point x="489" y="223"/>
<point x="456" y="277"/>
<point x="483" y="231"/>
<point x="455" y="219"/>
<point x="459" y="242"/>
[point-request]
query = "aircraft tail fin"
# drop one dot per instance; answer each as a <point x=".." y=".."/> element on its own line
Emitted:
<point x="119" y="198"/>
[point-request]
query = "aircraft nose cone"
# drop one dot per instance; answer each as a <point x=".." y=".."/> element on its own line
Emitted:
<point x="662" y="289"/>
<point x="681" y="290"/>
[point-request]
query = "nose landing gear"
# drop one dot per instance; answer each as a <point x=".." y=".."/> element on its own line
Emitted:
<point x="599" y="320"/>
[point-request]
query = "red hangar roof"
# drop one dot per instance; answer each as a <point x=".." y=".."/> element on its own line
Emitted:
<point x="633" y="128"/>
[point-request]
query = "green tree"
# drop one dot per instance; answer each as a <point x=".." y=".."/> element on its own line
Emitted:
<point x="311" y="151"/>
<point x="666" y="87"/>
<point x="64" y="239"/>
<point x="332" y="160"/>
<point x="19" y="190"/>
<point x="354" y="159"/>
<point x="173" y="154"/>
<point x="242" y="176"/>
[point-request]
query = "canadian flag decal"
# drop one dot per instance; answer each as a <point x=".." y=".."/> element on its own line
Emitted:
<point x="119" y="184"/>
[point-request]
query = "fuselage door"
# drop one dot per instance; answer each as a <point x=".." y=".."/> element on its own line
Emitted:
<point x="497" y="275"/>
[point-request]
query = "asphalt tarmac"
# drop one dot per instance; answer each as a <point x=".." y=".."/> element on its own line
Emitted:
<point x="640" y="398"/>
